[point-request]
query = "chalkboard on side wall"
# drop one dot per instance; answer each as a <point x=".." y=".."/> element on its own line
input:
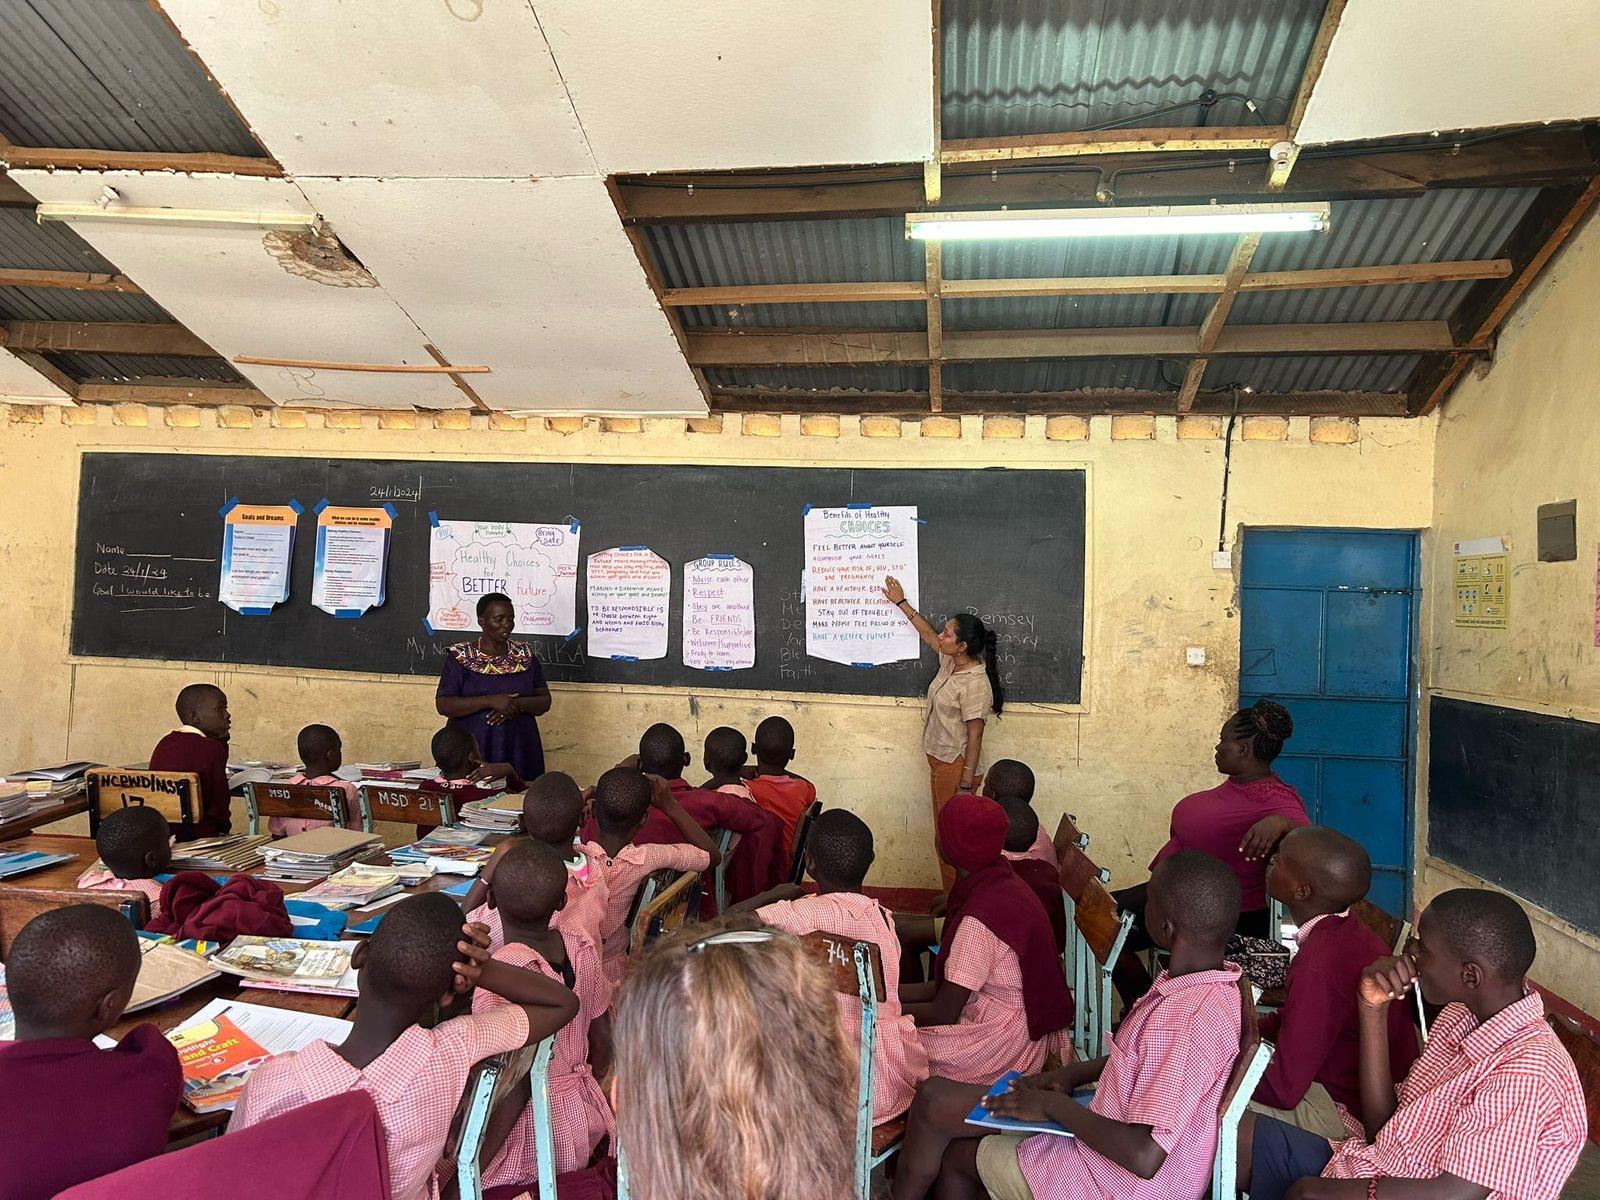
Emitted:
<point x="1007" y="544"/>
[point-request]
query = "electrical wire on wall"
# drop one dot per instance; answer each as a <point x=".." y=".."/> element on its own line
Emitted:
<point x="1227" y="469"/>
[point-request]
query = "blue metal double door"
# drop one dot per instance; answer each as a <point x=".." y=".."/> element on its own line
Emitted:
<point x="1327" y="621"/>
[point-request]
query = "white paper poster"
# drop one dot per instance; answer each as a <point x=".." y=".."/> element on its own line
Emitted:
<point x="536" y="565"/>
<point x="257" y="546"/>
<point x="849" y="551"/>
<point x="719" y="614"/>
<point x="352" y="559"/>
<point x="629" y="590"/>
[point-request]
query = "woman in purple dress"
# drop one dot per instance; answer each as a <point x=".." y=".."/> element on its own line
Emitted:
<point x="494" y="688"/>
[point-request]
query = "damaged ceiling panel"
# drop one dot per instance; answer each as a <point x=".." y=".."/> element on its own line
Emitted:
<point x="21" y="384"/>
<point x="233" y="290"/>
<point x="488" y="268"/>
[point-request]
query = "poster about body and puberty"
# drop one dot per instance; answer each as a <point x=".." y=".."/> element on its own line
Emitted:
<point x="629" y="592"/>
<point x="719" y="614"/>
<point x="849" y="551"/>
<point x="352" y="562"/>
<point x="535" y="565"/>
<point x="257" y="548"/>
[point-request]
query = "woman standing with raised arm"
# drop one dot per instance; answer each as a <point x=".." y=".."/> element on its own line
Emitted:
<point x="962" y="698"/>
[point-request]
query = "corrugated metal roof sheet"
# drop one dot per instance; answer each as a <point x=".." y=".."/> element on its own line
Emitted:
<point x="132" y="368"/>
<point x="51" y="246"/>
<point x="874" y="377"/>
<point x="1352" y="373"/>
<point x="108" y="75"/>
<point x="1061" y="375"/>
<point x="53" y="304"/>
<point x="1047" y="66"/>
<point x="1439" y="226"/>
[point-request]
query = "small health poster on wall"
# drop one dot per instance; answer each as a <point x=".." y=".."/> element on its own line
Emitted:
<point x="719" y="614"/>
<point x="257" y="547"/>
<point x="849" y="551"/>
<point x="352" y="558"/>
<point x="1483" y="584"/>
<point x="629" y="592"/>
<point x="535" y="565"/>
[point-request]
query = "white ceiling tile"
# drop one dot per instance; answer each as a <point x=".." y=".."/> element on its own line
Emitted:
<point x="21" y="384"/>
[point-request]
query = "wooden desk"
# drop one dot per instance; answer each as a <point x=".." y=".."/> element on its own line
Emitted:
<point x="18" y="826"/>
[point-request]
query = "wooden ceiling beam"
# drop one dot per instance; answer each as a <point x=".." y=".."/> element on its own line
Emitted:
<point x="61" y="158"/>
<point x="48" y="369"/>
<point x="1244" y="250"/>
<point x="1543" y="230"/>
<point x="76" y="281"/>
<point x="1089" y="402"/>
<point x="1107" y="285"/>
<point x="1541" y="157"/>
<point x="1112" y="142"/>
<point x="863" y="347"/>
<point x="203" y="394"/>
<point x="104" y="337"/>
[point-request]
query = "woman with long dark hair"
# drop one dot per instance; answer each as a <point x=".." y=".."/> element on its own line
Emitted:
<point x="962" y="698"/>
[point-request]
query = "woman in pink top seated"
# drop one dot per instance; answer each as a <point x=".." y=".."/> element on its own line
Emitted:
<point x="1241" y="821"/>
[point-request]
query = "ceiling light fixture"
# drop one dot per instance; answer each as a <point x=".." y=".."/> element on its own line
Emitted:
<point x="200" y="217"/>
<point x="1117" y="222"/>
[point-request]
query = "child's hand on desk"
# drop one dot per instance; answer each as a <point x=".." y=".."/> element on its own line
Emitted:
<point x="474" y="951"/>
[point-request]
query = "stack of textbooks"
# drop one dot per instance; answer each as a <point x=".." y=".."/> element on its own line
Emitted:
<point x="227" y="1039"/>
<point x="66" y="773"/>
<point x="390" y="772"/>
<point x="14" y="801"/>
<point x="451" y="851"/>
<point x="236" y="852"/>
<point x="315" y="854"/>
<point x="290" y="964"/>
<point x="502" y="814"/>
<point x="354" y="887"/>
<point x="21" y="862"/>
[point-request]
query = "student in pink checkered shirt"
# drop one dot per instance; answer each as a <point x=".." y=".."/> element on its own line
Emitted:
<point x="135" y="844"/>
<point x="1493" y="1109"/>
<point x="420" y="956"/>
<point x="1150" y="1131"/>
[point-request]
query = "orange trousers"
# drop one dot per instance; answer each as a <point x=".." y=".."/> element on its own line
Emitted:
<point x="943" y="779"/>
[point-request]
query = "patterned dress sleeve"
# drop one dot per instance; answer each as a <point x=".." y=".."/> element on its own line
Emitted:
<point x="453" y="678"/>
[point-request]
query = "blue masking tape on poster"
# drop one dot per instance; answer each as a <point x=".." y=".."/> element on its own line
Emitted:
<point x="721" y="557"/>
<point x="859" y="507"/>
<point x="348" y="614"/>
<point x="633" y="549"/>
<point x="297" y="506"/>
<point x="624" y="658"/>
<point x="716" y="668"/>
<point x="573" y="523"/>
<point x="391" y="510"/>
<point x="320" y="505"/>
<point x="255" y="612"/>
<point x="433" y="519"/>
<point x="428" y="625"/>
<point x="573" y="636"/>
<point x="919" y="520"/>
<point x="806" y="510"/>
<point x="863" y="665"/>
<point x="233" y="503"/>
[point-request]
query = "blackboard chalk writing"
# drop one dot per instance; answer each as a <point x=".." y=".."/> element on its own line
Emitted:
<point x="118" y="591"/>
<point x="395" y="491"/>
<point x="102" y="548"/>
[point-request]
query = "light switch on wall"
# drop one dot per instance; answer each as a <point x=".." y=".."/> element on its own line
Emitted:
<point x="1196" y="656"/>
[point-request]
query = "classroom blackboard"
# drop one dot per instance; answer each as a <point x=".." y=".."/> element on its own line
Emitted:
<point x="1008" y="544"/>
<point x="1514" y="798"/>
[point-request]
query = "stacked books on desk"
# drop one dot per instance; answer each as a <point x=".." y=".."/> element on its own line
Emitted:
<point x="236" y="852"/>
<point x="354" y="887"/>
<point x="500" y="814"/>
<point x="315" y="854"/>
<point x="389" y="772"/>
<point x="227" y="1039"/>
<point x="452" y="851"/>
<point x="290" y="964"/>
<point x="20" y="862"/>
<point x="66" y="773"/>
<point x="14" y="801"/>
<point x="241" y="773"/>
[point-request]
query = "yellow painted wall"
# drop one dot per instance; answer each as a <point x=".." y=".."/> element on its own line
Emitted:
<point x="1527" y="434"/>
<point x="1141" y="740"/>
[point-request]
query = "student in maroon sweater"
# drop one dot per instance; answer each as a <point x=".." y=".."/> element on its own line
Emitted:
<point x="200" y="745"/>
<point x="1314" y="1077"/>
<point x="70" y="1110"/>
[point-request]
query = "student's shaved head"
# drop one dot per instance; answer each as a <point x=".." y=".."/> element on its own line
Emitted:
<point x="1488" y="928"/>
<point x="1337" y="867"/>
<point x="191" y="697"/>
<point x="774" y="742"/>
<point x="63" y="962"/>
<point x="530" y="882"/>
<point x="621" y="800"/>
<point x="1024" y="824"/>
<point x="1009" y="779"/>
<point x="661" y="751"/>
<point x="411" y="955"/>
<point x="1200" y="895"/>
<point x="452" y="749"/>
<point x="552" y="808"/>
<point x="130" y="838"/>
<point x="315" y="742"/>
<point x="840" y="847"/>
<point x="726" y="750"/>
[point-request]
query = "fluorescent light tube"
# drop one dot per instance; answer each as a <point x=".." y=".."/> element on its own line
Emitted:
<point x="175" y="216"/>
<point x="1118" y="222"/>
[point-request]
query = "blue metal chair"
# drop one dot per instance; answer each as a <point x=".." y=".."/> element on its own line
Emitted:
<point x="664" y="910"/>
<point x="1248" y="1067"/>
<point x="727" y="842"/>
<point x="492" y="1081"/>
<point x="857" y="970"/>
<point x="1101" y="932"/>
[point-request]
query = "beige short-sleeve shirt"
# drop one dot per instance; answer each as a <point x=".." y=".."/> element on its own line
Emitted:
<point x="954" y="698"/>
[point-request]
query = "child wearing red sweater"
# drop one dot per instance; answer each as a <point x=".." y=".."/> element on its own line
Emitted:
<point x="200" y="746"/>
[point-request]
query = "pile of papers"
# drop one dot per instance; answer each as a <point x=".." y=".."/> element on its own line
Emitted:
<point x="67" y="772"/>
<point x="165" y="972"/>
<point x="236" y="852"/>
<point x="14" y="801"/>
<point x="227" y="1039"/>
<point x="290" y="964"/>
<point x="390" y="772"/>
<point x="241" y="773"/>
<point x="451" y="851"/>
<point x="355" y="886"/>
<point x="502" y="814"/>
<point x="20" y="862"/>
<point x="316" y="853"/>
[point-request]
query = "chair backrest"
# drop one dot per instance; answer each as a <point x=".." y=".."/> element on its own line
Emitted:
<point x="173" y="794"/>
<point x="1249" y="1065"/>
<point x="1381" y="923"/>
<point x="802" y="836"/>
<point x="409" y="806"/>
<point x="305" y="801"/>
<point x="727" y="842"/>
<point x="857" y="970"/>
<point x="650" y="887"/>
<point x="1249" y="1039"/>
<point x="1068" y="834"/>
<point x="490" y="1105"/>
<point x="19" y="905"/>
<point x="1077" y="870"/>
<point x="1098" y="919"/>
<point x="665" y="911"/>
